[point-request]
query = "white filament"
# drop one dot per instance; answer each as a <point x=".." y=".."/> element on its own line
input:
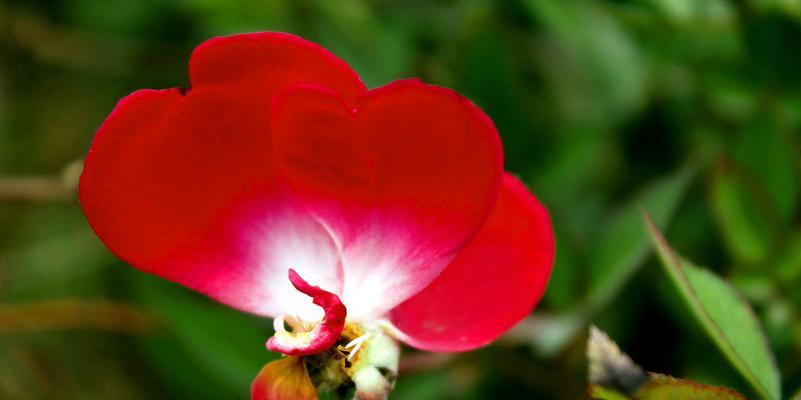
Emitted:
<point x="356" y="344"/>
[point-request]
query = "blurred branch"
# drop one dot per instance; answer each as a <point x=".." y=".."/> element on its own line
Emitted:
<point x="65" y="314"/>
<point x="17" y="371"/>
<point x="70" y="47"/>
<point x="42" y="188"/>
<point x="547" y="334"/>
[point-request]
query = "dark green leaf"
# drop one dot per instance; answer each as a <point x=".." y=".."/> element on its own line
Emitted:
<point x="620" y="247"/>
<point x="226" y="345"/>
<point x="724" y="316"/>
<point x="788" y="264"/>
<point x="602" y="393"/>
<point x="770" y="154"/>
<point x="744" y="221"/>
<point x="661" y="387"/>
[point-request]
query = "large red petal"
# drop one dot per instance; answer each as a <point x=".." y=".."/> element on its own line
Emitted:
<point x="183" y="184"/>
<point x="402" y="178"/>
<point x="491" y="285"/>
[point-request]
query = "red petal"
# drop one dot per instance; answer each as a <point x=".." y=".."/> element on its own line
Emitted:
<point x="183" y="184"/>
<point x="264" y="62"/>
<point x="324" y="335"/>
<point x="491" y="285"/>
<point x="285" y="379"/>
<point x="403" y="179"/>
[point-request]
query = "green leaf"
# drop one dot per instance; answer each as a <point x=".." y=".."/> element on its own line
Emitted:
<point x="595" y="69"/>
<point x="614" y="376"/>
<point x="564" y="285"/>
<point x="65" y="265"/>
<point x="378" y="49"/>
<point x="788" y="263"/>
<point x="602" y="393"/>
<point x="620" y="247"/>
<point x="770" y="154"/>
<point x="745" y="223"/>
<point x="425" y="385"/>
<point x="724" y="316"/>
<point x="223" y="344"/>
<point x="661" y="387"/>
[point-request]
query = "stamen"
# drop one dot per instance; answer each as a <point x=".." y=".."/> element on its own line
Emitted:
<point x="355" y="345"/>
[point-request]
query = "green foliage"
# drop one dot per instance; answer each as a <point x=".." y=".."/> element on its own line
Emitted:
<point x="743" y="222"/>
<point x="662" y="387"/>
<point x="726" y="318"/>
<point x="621" y="247"/>
<point x="614" y="376"/>
<point x="223" y="345"/>
<point x="687" y="109"/>
<point x="602" y="393"/>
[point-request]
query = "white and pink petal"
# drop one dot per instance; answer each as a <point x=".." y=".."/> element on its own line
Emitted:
<point x="403" y="178"/>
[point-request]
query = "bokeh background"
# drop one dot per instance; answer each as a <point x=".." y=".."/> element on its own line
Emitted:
<point x="690" y="109"/>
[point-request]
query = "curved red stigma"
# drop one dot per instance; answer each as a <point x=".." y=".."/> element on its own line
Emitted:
<point x="323" y="336"/>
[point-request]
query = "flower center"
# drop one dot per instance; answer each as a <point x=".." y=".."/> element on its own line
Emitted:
<point x="350" y="350"/>
<point x="304" y="340"/>
<point x="365" y="358"/>
<point x="334" y="355"/>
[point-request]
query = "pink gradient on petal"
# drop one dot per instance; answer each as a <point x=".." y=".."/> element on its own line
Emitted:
<point x="403" y="178"/>
<point x="168" y="172"/>
<point x="242" y="262"/>
<point x="385" y="258"/>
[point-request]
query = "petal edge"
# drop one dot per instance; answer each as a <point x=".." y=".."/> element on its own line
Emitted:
<point x="491" y="285"/>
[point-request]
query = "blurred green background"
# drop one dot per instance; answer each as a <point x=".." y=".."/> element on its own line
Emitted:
<point x="690" y="109"/>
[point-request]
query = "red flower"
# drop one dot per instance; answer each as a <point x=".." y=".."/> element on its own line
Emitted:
<point x="392" y="201"/>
